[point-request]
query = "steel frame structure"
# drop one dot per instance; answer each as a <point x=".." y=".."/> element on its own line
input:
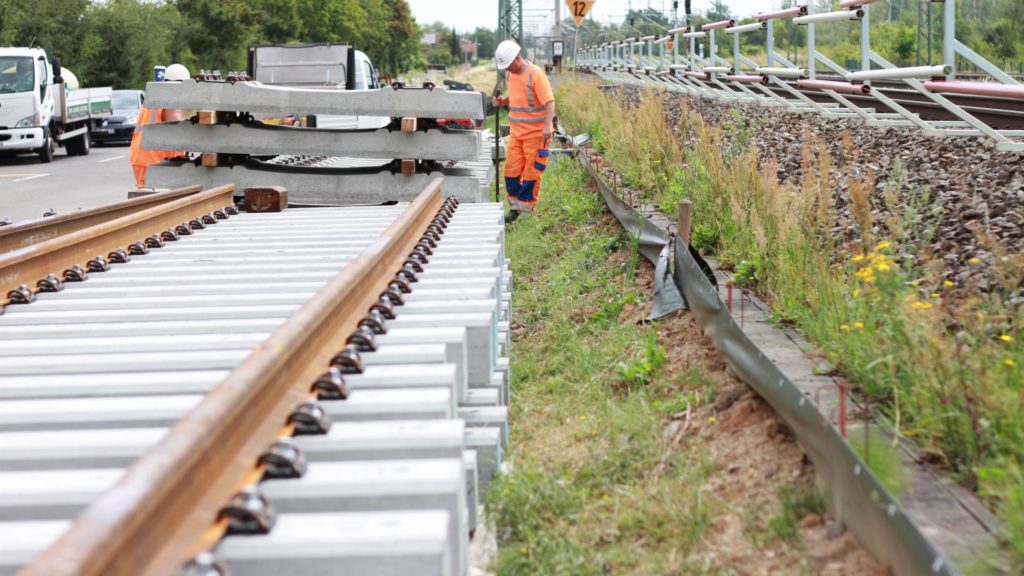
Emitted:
<point x="633" y="61"/>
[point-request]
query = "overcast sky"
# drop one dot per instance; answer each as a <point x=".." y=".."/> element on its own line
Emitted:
<point x="466" y="15"/>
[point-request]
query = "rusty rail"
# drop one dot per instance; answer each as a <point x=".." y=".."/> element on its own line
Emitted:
<point x="28" y="265"/>
<point x="41" y="229"/>
<point x="156" y="516"/>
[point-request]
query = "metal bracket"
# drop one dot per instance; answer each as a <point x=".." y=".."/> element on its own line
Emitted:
<point x="331" y="384"/>
<point x="249" y="512"/>
<point x="309" y="419"/>
<point x="282" y="459"/>
<point x="348" y="360"/>
<point x="75" y="274"/>
<point x="50" y="284"/>
<point x="21" y="295"/>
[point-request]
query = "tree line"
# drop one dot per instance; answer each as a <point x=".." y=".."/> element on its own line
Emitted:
<point x="118" y="42"/>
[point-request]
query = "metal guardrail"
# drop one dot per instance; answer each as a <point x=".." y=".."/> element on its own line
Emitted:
<point x="856" y="495"/>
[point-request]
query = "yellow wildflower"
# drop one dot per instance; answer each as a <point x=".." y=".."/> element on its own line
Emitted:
<point x="1009" y="363"/>
<point x="947" y="284"/>
<point x="866" y="275"/>
<point x="856" y="292"/>
<point x="936" y="295"/>
<point x="980" y="315"/>
<point x="919" y="305"/>
<point x="858" y="258"/>
<point x="1006" y="338"/>
<point x="974" y="261"/>
<point x="882" y="245"/>
<point x="583" y="417"/>
<point x="712" y="420"/>
<point x="858" y="325"/>
<point x="844" y="328"/>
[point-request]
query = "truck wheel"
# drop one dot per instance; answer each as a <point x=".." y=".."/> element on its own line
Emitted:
<point x="78" y="146"/>
<point x="83" y="144"/>
<point x="46" y="152"/>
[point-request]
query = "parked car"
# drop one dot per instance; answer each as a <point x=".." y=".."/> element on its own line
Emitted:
<point x="119" y="127"/>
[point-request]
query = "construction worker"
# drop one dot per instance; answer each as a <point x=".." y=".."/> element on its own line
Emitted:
<point x="531" y="116"/>
<point x="143" y="159"/>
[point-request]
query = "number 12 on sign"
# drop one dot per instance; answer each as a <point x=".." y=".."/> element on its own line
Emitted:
<point x="579" y="9"/>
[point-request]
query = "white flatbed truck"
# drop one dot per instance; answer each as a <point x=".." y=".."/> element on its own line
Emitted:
<point x="40" y="109"/>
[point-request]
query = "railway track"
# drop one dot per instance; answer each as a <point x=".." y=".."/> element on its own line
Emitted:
<point x="190" y="388"/>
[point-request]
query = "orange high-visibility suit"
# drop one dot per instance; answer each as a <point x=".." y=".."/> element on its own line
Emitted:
<point x="143" y="159"/>
<point x="527" y="156"/>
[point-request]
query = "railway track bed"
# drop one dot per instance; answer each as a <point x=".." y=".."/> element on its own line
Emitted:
<point x="368" y="345"/>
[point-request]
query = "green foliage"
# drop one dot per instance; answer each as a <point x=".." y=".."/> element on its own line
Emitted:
<point x="640" y="371"/>
<point x="595" y="488"/>
<point x="746" y="273"/>
<point x="940" y="368"/>
<point x="796" y="503"/>
<point x="118" y="42"/>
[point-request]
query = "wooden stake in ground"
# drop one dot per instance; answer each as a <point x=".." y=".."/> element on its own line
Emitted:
<point x="684" y="224"/>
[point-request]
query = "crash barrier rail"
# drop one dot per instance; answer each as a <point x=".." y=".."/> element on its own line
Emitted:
<point x="855" y="494"/>
<point x="412" y="134"/>
<point x="781" y="83"/>
<point x="199" y="482"/>
<point x="30" y="232"/>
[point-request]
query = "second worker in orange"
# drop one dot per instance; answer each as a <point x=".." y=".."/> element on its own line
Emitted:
<point x="531" y="115"/>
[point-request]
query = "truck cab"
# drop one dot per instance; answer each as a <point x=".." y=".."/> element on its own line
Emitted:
<point x="334" y="65"/>
<point x="39" y="111"/>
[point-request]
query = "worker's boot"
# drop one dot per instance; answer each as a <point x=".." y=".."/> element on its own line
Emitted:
<point x="511" y="216"/>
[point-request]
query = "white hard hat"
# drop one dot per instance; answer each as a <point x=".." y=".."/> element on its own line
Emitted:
<point x="505" y="53"/>
<point x="176" y="72"/>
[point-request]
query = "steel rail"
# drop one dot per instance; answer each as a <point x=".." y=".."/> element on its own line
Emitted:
<point x="156" y="516"/>
<point x="41" y="229"/>
<point x="24" y="267"/>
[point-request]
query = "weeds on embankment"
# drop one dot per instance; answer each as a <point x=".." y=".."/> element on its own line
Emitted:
<point x="947" y="372"/>
<point x="634" y="451"/>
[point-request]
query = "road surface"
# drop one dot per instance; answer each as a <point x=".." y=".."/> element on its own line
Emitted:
<point x="28" y="188"/>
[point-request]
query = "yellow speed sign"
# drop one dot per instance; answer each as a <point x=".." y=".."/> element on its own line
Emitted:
<point x="579" y="9"/>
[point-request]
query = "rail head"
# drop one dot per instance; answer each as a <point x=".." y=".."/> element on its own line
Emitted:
<point x="41" y="229"/>
<point x="22" y="270"/>
<point x="163" y="510"/>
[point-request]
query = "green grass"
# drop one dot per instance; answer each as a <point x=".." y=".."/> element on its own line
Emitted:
<point x="946" y="371"/>
<point x="595" y="487"/>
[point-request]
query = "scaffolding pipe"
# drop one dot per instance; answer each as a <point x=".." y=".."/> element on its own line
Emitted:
<point x="855" y="3"/>
<point x="992" y="89"/>
<point x="794" y="11"/>
<point x="830" y="17"/>
<point x="937" y="71"/>
<point x="783" y="72"/>
<point x="746" y="79"/>
<point x="834" y="86"/>
<point x="747" y="28"/>
<point x="720" y="24"/>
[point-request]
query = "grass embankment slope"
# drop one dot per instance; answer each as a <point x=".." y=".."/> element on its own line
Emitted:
<point x="947" y="371"/>
<point x="634" y="450"/>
